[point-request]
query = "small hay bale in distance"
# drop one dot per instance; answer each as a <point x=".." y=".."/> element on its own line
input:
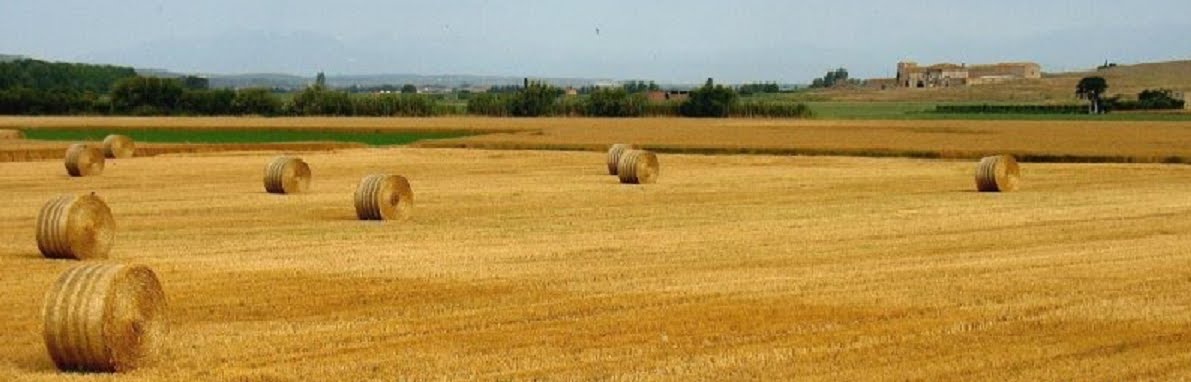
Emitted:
<point x="84" y="160"/>
<point x="75" y="227"/>
<point x="614" y="154"/>
<point x="103" y="317"/>
<point x="384" y="197"/>
<point x="287" y="175"/>
<point x="11" y="134"/>
<point x="118" y="146"/>
<point x="638" y="167"/>
<point x="998" y="173"/>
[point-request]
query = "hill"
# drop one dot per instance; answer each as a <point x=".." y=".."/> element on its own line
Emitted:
<point x="1126" y="80"/>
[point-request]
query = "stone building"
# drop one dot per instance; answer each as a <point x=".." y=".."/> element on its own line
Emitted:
<point x="910" y="75"/>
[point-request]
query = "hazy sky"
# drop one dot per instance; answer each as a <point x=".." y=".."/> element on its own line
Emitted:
<point x="669" y="41"/>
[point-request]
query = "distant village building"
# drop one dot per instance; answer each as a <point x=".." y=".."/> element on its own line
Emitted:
<point x="667" y="95"/>
<point x="910" y="75"/>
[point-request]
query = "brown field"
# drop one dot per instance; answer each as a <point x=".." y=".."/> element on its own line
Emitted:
<point x="536" y="265"/>
<point x="1031" y="141"/>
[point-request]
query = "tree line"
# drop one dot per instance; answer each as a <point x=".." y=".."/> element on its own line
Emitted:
<point x="709" y="101"/>
<point x="34" y="87"/>
<point x="39" y="87"/>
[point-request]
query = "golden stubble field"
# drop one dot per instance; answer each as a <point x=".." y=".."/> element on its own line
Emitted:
<point x="537" y="265"/>
<point x="1044" y="141"/>
<point x="1034" y="141"/>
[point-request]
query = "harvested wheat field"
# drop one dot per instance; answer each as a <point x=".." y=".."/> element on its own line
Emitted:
<point x="538" y="265"/>
<point x="1030" y="141"/>
<point x="27" y="151"/>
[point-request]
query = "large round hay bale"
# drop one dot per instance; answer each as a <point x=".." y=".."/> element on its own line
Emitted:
<point x="11" y="134"/>
<point x="638" y="167"/>
<point x="998" y="173"/>
<point x="287" y="175"/>
<point x="384" y="197"/>
<point x="104" y="318"/>
<point x="614" y="154"/>
<point x="118" y="146"/>
<point x="84" y="160"/>
<point x="75" y="227"/>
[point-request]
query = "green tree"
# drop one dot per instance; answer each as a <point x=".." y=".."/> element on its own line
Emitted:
<point x="749" y="89"/>
<point x="537" y="99"/>
<point x="54" y="76"/>
<point x="39" y="87"/>
<point x="489" y="104"/>
<point x="206" y="102"/>
<point x="833" y="78"/>
<point x="320" y="80"/>
<point x="146" y="95"/>
<point x="256" y="101"/>
<point x="409" y="89"/>
<point x="615" y="102"/>
<point x="1092" y="89"/>
<point x="640" y="86"/>
<point x="195" y="83"/>
<point x="317" y="100"/>
<point x="711" y="100"/>
<point x="1157" y="99"/>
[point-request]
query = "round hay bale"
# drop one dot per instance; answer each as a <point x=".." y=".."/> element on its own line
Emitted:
<point x="104" y="318"/>
<point x="287" y="175"/>
<point x="75" y="227"/>
<point x="118" y="146"/>
<point x="998" y="173"/>
<point x="11" y="134"/>
<point x="384" y="197"/>
<point x="614" y="154"/>
<point x="84" y="160"/>
<point x="638" y="167"/>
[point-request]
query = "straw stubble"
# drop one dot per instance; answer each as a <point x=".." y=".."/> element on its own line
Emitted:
<point x="11" y="134"/>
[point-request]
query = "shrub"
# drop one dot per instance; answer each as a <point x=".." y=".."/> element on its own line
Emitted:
<point x="711" y="100"/>
<point x="489" y="104"/>
<point x="258" y="101"/>
<point x="615" y="102"/>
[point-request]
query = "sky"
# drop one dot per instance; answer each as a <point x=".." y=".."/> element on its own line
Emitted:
<point x="668" y="41"/>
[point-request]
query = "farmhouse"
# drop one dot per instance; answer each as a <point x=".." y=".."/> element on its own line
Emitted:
<point x="910" y="75"/>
